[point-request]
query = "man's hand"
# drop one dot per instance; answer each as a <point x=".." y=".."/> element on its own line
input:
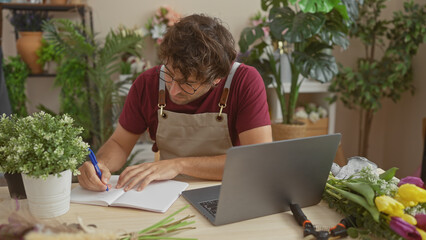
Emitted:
<point x="89" y="180"/>
<point x="145" y="173"/>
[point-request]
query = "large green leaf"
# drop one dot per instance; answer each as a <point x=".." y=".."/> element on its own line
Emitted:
<point x="314" y="6"/>
<point x="248" y="36"/>
<point x="351" y="9"/>
<point x="291" y="27"/>
<point x="266" y="4"/>
<point x="314" y="62"/>
<point x="334" y="30"/>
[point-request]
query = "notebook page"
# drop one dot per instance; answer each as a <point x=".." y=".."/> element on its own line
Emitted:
<point x="158" y="196"/>
<point x="81" y="195"/>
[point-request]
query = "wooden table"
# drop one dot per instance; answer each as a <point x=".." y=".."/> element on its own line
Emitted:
<point x="277" y="226"/>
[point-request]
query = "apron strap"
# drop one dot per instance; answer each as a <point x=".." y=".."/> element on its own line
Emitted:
<point x="225" y="92"/>
<point x="162" y="93"/>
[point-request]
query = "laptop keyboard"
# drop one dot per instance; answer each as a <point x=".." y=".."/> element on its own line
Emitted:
<point x="210" y="206"/>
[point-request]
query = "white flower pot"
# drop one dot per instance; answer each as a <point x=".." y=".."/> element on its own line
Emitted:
<point x="48" y="198"/>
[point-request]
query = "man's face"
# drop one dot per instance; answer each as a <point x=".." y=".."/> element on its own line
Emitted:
<point x="183" y="91"/>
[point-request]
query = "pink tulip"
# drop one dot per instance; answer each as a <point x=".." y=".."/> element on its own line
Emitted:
<point x="404" y="229"/>
<point x="413" y="180"/>
<point x="421" y="221"/>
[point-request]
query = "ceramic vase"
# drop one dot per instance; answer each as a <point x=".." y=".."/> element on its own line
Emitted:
<point x="27" y="45"/>
<point x="48" y="198"/>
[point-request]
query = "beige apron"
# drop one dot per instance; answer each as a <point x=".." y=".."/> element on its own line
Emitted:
<point x="189" y="135"/>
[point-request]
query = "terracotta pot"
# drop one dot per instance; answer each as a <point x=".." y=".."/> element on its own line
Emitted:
<point x="27" y="45"/>
<point x="15" y="185"/>
<point x="287" y="131"/>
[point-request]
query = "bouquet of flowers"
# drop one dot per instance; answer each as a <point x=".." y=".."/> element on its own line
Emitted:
<point x="157" y="26"/>
<point x="382" y="205"/>
<point x="310" y="111"/>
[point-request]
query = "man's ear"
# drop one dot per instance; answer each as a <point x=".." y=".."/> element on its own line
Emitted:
<point x="216" y="82"/>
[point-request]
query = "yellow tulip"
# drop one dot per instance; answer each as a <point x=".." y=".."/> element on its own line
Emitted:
<point x="406" y="203"/>
<point x="410" y="219"/>
<point x="422" y="233"/>
<point x="389" y="206"/>
<point x="410" y="192"/>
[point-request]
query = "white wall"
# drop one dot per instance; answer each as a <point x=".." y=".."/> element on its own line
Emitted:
<point x="396" y="134"/>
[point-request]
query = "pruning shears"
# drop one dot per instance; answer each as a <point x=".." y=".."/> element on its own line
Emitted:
<point x="309" y="230"/>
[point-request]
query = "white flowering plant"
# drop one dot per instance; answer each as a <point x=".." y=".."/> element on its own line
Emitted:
<point x="157" y="26"/>
<point x="41" y="145"/>
<point x="310" y="111"/>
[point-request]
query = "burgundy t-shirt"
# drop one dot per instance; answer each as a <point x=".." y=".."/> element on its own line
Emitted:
<point x="246" y="106"/>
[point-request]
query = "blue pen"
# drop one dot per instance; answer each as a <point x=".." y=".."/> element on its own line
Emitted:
<point x="95" y="164"/>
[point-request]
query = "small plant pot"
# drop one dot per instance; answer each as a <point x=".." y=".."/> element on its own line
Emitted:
<point x="287" y="131"/>
<point x="15" y="185"/>
<point x="48" y="198"/>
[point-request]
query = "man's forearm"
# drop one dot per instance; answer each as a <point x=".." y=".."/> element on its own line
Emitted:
<point x="112" y="155"/>
<point x="210" y="167"/>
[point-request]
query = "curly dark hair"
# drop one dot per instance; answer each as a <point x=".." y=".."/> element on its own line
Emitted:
<point x="200" y="46"/>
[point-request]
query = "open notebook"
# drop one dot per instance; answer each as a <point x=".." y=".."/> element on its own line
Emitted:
<point x="157" y="196"/>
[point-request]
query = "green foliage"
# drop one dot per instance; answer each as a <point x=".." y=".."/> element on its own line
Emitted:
<point x="93" y="90"/>
<point x="125" y="67"/>
<point x="41" y="144"/>
<point x="16" y="73"/>
<point x="305" y="36"/>
<point x="71" y="76"/>
<point x="376" y="78"/>
<point x="47" y="53"/>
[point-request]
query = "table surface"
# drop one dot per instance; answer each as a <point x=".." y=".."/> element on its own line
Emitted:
<point x="276" y="226"/>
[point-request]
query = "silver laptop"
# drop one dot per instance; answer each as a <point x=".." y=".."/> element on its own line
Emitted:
<point x="262" y="179"/>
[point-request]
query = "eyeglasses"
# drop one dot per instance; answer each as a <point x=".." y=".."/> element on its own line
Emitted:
<point x="185" y="86"/>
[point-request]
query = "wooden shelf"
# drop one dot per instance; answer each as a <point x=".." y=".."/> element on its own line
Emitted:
<point x="81" y="9"/>
<point x="42" y="7"/>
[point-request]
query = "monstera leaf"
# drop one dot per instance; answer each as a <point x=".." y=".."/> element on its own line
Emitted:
<point x="266" y="4"/>
<point x="334" y="30"/>
<point x="291" y="27"/>
<point x="314" y="6"/>
<point x="248" y="36"/>
<point x="314" y="62"/>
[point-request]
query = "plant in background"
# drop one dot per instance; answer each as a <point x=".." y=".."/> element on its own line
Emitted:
<point x="98" y="61"/>
<point x="388" y="75"/>
<point x="47" y="53"/>
<point x="310" y="111"/>
<point x="157" y="26"/>
<point x="28" y="20"/>
<point x="304" y="33"/>
<point x="16" y="73"/>
<point x="41" y="145"/>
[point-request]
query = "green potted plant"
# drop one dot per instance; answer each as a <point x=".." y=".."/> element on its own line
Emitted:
<point x="16" y="73"/>
<point x="46" y="150"/>
<point x="302" y="35"/>
<point x="385" y="76"/>
<point x="28" y="23"/>
<point x="92" y="90"/>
